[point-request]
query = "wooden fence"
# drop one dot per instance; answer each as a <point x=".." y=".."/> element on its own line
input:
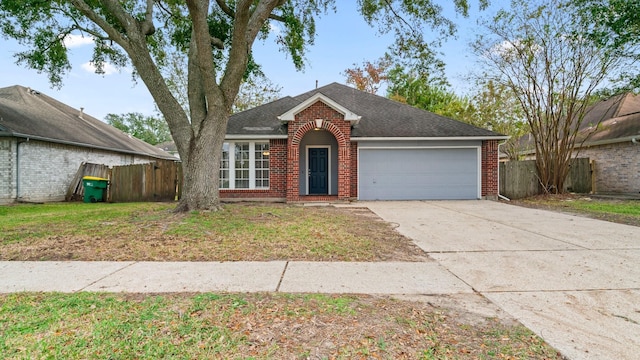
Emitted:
<point x="157" y="181"/>
<point x="519" y="179"/>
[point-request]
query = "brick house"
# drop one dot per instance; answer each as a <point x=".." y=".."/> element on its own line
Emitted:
<point x="338" y="143"/>
<point x="43" y="142"/>
<point x="613" y="143"/>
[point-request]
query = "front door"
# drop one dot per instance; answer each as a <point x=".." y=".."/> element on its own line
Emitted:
<point x="318" y="171"/>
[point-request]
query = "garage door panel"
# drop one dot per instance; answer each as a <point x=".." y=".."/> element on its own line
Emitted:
<point x="416" y="174"/>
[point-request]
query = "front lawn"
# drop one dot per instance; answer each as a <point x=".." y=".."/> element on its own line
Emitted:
<point x="242" y="231"/>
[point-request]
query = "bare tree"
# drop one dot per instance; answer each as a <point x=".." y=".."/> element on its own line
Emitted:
<point x="539" y="50"/>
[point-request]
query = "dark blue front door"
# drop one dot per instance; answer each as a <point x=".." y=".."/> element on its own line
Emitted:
<point x="318" y="171"/>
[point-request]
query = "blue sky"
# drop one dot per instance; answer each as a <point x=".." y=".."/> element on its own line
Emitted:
<point x="343" y="38"/>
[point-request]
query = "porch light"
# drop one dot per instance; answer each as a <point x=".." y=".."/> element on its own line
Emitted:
<point x="319" y="124"/>
<point x="265" y="153"/>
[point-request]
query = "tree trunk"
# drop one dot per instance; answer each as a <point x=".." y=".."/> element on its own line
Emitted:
<point x="201" y="165"/>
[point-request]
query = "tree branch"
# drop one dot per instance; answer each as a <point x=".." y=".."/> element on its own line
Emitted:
<point x="225" y="8"/>
<point x="147" y="25"/>
<point x="112" y="33"/>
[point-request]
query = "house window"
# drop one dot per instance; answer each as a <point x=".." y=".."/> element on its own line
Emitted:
<point x="245" y="165"/>
<point x="224" y="167"/>
<point x="242" y="165"/>
<point x="262" y="165"/>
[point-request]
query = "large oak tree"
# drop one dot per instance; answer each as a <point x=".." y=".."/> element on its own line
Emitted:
<point x="216" y="38"/>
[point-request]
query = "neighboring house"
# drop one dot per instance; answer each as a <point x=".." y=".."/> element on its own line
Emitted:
<point x="43" y="142"/>
<point x="614" y="144"/>
<point x="169" y="147"/>
<point x="339" y="143"/>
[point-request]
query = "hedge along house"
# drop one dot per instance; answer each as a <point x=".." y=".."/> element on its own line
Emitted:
<point x="43" y="142"/>
<point x="339" y="143"/>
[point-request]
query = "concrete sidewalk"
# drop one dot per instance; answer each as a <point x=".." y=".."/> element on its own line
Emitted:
<point x="410" y="278"/>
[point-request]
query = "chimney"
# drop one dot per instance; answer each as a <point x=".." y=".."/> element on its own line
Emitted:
<point x="81" y="113"/>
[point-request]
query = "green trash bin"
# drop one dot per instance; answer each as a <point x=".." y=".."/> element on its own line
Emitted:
<point x="95" y="188"/>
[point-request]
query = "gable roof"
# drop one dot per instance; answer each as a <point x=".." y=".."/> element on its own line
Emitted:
<point x="348" y="114"/>
<point x="27" y="113"/>
<point x="379" y="117"/>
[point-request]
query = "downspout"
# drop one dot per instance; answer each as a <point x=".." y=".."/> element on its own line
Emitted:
<point x="500" y="196"/>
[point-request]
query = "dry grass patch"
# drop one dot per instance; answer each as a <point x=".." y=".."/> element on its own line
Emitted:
<point x="240" y="232"/>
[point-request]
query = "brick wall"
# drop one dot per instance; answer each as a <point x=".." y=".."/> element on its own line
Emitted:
<point x="333" y="122"/>
<point x="47" y="169"/>
<point x="617" y="167"/>
<point x="490" y="169"/>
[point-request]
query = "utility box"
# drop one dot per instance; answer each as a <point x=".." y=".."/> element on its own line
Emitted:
<point x="95" y="189"/>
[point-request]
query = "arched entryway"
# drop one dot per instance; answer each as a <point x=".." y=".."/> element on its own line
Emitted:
<point x="318" y="163"/>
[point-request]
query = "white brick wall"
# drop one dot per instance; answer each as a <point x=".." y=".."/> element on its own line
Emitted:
<point x="47" y="169"/>
<point x="617" y="166"/>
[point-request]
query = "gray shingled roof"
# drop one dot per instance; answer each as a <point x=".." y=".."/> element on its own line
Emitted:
<point x="616" y="118"/>
<point x="28" y="113"/>
<point x="380" y="117"/>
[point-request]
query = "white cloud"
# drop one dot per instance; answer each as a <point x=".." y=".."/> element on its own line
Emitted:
<point x="77" y="40"/>
<point x="275" y="29"/>
<point x="509" y="49"/>
<point x="107" y="68"/>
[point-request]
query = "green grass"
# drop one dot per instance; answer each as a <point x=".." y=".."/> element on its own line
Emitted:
<point x="601" y="207"/>
<point x="247" y="326"/>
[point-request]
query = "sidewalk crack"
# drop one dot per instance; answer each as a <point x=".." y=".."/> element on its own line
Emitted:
<point x="282" y="276"/>
<point x="106" y="276"/>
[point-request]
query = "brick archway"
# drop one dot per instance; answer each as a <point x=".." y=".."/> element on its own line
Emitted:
<point x="344" y="157"/>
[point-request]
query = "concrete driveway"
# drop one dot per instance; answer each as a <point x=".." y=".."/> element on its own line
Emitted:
<point x="572" y="280"/>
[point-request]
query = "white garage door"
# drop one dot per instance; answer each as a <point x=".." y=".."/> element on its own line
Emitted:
<point x="418" y="174"/>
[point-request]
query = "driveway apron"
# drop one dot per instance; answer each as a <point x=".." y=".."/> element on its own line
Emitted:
<point x="574" y="281"/>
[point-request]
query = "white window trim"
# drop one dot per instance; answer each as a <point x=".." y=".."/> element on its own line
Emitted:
<point x="252" y="165"/>
<point x="329" y="173"/>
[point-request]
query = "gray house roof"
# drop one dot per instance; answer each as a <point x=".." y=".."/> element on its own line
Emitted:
<point x="613" y="120"/>
<point x="27" y="113"/>
<point x="380" y="117"/>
